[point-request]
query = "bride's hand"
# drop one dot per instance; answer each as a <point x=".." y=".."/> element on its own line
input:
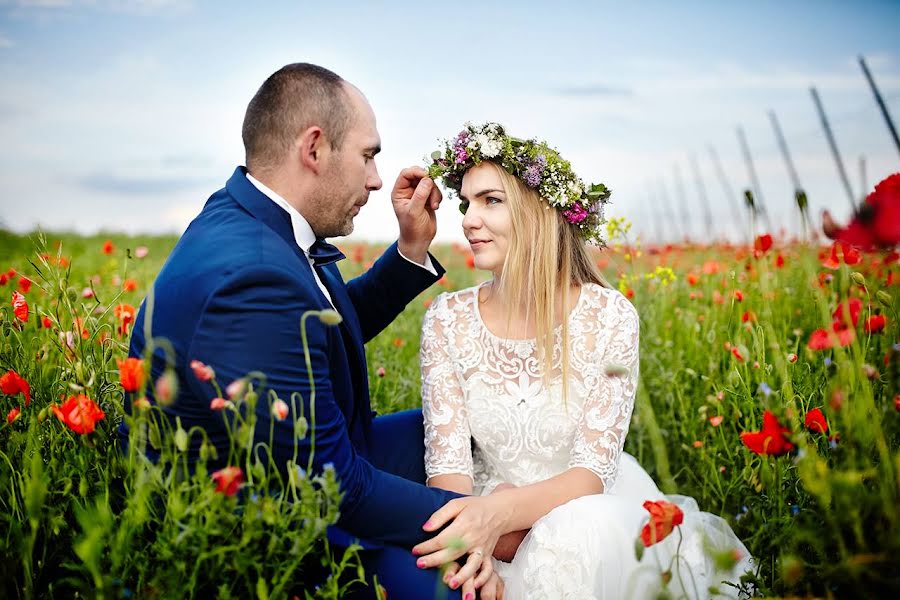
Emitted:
<point x="488" y="582"/>
<point x="478" y="522"/>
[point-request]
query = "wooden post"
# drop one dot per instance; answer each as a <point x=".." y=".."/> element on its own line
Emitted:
<point x="881" y="105"/>
<point x="681" y="200"/>
<point x="730" y="197"/>
<point x="758" y="206"/>
<point x="800" y="198"/>
<point x="834" y="149"/>
<point x="704" y="199"/>
<point x="666" y="201"/>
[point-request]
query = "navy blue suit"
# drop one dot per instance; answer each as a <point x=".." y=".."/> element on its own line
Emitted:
<point x="231" y="294"/>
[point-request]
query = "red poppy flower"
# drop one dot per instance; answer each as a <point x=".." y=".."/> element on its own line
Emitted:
<point x="847" y="313"/>
<point x="815" y="421"/>
<point x="716" y="420"/>
<point x="875" y="324"/>
<point x="779" y="261"/>
<point x="228" y="480"/>
<point x="46" y="322"/>
<point x="129" y="285"/>
<point x="762" y="243"/>
<point x="79" y="413"/>
<point x="24" y="285"/>
<point x="710" y="267"/>
<point x="822" y="339"/>
<point x="739" y="295"/>
<point x="664" y="517"/>
<point x="13" y="414"/>
<point x="201" y="371"/>
<point x="470" y="261"/>
<point x="748" y="315"/>
<point x="20" y="306"/>
<point x="131" y="374"/>
<point x="108" y="247"/>
<point x="11" y="383"/>
<point x="771" y="439"/>
<point x="737" y="354"/>
<point x="692" y="279"/>
<point x="125" y="314"/>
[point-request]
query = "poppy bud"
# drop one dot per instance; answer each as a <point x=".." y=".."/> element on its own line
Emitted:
<point x="330" y="317"/>
<point x="858" y="278"/>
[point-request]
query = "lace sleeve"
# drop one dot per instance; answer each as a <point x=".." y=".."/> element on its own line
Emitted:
<point x="611" y="382"/>
<point x="448" y="446"/>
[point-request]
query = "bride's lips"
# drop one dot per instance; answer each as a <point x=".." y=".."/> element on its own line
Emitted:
<point x="475" y="244"/>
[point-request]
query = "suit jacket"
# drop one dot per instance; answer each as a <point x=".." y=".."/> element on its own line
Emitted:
<point x="231" y="294"/>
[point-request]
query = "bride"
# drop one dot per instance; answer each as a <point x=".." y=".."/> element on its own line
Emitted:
<point x="528" y="386"/>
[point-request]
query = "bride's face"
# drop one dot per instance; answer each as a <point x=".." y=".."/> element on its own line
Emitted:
<point x="487" y="221"/>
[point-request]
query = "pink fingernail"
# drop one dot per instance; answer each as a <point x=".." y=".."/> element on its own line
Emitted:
<point x="427" y="524"/>
<point x="453" y="583"/>
<point x="469" y="596"/>
<point x="420" y="563"/>
<point x="415" y="552"/>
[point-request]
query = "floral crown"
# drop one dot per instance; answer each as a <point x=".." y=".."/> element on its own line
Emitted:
<point x="538" y="165"/>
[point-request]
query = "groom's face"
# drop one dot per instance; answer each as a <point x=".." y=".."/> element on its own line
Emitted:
<point x="350" y="173"/>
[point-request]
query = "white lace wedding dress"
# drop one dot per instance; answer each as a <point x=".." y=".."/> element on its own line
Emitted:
<point x="488" y="416"/>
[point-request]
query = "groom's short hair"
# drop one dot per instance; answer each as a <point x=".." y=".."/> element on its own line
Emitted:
<point x="295" y="97"/>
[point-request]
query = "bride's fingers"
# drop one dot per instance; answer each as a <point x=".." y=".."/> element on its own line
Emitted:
<point x="431" y="546"/>
<point x="468" y="590"/>
<point x="468" y="570"/>
<point x="451" y="570"/>
<point x="484" y="575"/>
<point x="436" y="559"/>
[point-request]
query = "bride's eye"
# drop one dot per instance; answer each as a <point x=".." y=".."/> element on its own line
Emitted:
<point x="463" y="206"/>
<point x="493" y="200"/>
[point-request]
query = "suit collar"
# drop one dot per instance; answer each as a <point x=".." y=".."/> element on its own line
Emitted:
<point x="262" y="208"/>
<point x="303" y="233"/>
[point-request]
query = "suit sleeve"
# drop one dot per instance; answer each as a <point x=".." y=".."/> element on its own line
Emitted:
<point x="252" y="323"/>
<point x="382" y="292"/>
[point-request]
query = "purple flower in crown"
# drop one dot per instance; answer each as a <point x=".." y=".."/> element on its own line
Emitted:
<point x="576" y="214"/>
<point x="532" y="176"/>
<point x="461" y="156"/>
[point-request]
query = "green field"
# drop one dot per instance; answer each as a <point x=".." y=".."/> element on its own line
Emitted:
<point x="725" y="336"/>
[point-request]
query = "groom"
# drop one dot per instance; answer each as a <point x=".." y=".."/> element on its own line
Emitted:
<point x="233" y="290"/>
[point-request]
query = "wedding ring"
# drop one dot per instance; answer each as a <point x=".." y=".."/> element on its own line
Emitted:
<point x="478" y="552"/>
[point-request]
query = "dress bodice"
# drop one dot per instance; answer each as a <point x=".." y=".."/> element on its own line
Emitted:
<point x="491" y="414"/>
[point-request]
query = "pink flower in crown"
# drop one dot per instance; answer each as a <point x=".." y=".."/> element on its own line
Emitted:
<point x="576" y="214"/>
<point x="461" y="156"/>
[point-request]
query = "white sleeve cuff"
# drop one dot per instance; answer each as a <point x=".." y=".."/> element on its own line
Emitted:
<point x="428" y="266"/>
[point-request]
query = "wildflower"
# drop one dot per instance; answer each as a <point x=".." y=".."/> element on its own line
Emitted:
<point x="228" y="480"/>
<point x="11" y="383"/>
<point x="79" y="413"/>
<point x="748" y="316"/>
<point x="141" y="403"/>
<point x="792" y="358"/>
<point x="330" y="317"/>
<point x="771" y="439"/>
<point x="897" y="402"/>
<point x="24" y="284"/>
<point x="108" y="247"/>
<point x="664" y="517"/>
<point x="280" y="409"/>
<point x="166" y="388"/>
<point x="762" y="244"/>
<point x="129" y="285"/>
<point x="201" y="371"/>
<point x="738" y="295"/>
<point x="716" y="420"/>
<point x="46" y="322"/>
<point x="822" y="339"/>
<point x="20" y="306"/>
<point x="698" y="444"/>
<point x="218" y="403"/>
<point x="815" y="421"/>
<point x="125" y="313"/>
<point x="764" y="389"/>
<point x="87" y="293"/>
<point x="737" y="354"/>
<point x="877" y="222"/>
<point x="399" y="342"/>
<point x="847" y="313"/>
<point x="470" y="261"/>
<point x="13" y="414"/>
<point x="131" y="374"/>
<point x="779" y="261"/>
<point x="380" y="372"/>
<point x="875" y="324"/>
<point x="692" y="279"/>
<point x="141" y="251"/>
<point x="236" y="388"/>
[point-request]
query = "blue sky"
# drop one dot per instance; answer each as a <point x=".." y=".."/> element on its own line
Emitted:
<point x="126" y="115"/>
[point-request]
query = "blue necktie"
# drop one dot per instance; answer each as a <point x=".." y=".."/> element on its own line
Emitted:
<point x="322" y="253"/>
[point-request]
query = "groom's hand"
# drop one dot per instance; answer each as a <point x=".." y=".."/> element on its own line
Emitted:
<point x="415" y="197"/>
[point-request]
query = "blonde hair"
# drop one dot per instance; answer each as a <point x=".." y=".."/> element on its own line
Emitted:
<point x="546" y="257"/>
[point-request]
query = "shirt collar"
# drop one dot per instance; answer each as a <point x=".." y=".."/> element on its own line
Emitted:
<point x="303" y="233"/>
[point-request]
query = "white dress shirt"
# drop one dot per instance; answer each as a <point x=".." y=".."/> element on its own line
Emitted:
<point x="305" y="238"/>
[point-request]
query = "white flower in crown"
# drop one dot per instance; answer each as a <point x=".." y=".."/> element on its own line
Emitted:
<point x="490" y="148"/>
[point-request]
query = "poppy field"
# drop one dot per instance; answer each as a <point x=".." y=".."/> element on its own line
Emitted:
<point x="769" y="391"/>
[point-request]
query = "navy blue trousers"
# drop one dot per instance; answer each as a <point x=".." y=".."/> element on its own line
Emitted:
<point x="399" y="448"/>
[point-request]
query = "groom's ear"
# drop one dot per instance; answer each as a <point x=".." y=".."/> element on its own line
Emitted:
<point x="312" y="146"/>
